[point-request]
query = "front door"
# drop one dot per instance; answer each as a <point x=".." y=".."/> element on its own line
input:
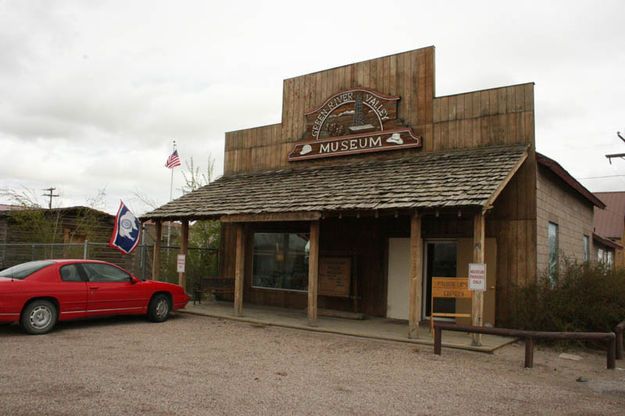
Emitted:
<point x="441" y="260"/>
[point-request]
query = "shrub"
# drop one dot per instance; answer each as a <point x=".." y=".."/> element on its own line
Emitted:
<point x="579" y="298"/>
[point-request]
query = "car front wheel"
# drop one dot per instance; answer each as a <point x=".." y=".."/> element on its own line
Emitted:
<point x="159" y="308"/>
<point x="39" y="317"/>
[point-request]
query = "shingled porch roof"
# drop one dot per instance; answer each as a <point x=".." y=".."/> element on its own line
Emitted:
<point x="454" y="179"/>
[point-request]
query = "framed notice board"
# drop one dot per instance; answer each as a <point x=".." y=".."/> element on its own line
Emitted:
<point x="335" y="276"/>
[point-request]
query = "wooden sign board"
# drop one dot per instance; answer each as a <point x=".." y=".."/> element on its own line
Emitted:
<point x="396" y="139"/>
<point x="354" y="121"/>
<point x="335" y="276"/>
<point x="450" y="287"/>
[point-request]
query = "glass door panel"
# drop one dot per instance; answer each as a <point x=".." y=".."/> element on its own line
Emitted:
<point x="441" y="260"/>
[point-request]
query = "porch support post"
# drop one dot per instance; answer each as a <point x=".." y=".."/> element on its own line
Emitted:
<point x="239" y="270"/>
<point x="479" y="239"/>
<point x="184" y="244"/>
<point x="416" y="275"/>
<point x="313" y="273"/>
<point x="156" y="257"/>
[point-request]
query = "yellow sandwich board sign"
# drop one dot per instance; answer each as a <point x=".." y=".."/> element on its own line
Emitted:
<point x="449" y="287"/>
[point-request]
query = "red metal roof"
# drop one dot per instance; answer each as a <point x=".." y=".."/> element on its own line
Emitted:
<point x="568" y="179"/>
<point x="610" y="222"/>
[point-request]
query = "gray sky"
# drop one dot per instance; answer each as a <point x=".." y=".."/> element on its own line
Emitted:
<point x="92" y="93"/>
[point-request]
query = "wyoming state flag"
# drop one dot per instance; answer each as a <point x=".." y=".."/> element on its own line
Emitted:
<point x="126" y="233"/>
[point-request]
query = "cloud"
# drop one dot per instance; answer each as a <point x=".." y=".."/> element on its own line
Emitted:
<point x="91" y="94"/>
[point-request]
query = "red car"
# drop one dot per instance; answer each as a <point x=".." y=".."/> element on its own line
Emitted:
<point x="37" y="294"/>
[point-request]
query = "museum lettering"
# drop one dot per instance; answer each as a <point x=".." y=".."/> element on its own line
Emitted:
<point x="351" y="144"/>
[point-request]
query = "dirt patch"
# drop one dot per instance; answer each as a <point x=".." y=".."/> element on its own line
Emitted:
<point x="200" y="365"/>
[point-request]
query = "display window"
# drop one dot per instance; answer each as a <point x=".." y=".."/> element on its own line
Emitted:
<point x="281" y="261"/>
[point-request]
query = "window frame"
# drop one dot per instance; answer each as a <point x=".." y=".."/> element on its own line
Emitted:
<point x="87" y="265"/>
<point x="553" y="257"/>
<point x="79" y="270"/>
<point x="285" y="257"/>
<point x="600" y="255"/>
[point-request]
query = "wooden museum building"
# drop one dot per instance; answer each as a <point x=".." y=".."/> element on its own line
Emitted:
<point x="372" y="186"/>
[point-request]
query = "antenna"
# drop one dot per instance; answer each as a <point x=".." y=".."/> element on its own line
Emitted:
<point x="50" y="195"/>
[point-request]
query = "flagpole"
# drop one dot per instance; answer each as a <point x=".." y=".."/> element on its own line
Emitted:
<point x="171" y="190"/>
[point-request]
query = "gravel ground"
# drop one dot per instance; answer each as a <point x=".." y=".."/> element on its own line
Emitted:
<point x="206" y="366"/>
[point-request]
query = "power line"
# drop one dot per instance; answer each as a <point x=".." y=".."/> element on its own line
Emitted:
<point x="602" y="177"/>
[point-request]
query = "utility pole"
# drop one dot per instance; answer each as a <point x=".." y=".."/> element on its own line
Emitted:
<point x="616" y="155"/>
<point x="50" y="195"/>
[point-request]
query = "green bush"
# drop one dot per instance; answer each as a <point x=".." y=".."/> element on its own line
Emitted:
<point x="578" y="298"/>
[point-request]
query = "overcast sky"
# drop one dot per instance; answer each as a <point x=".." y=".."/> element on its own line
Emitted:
<point x="93" y="92"/>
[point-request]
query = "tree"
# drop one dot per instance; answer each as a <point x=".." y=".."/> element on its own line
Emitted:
<point x="202" y="233"/>
<point x="195" y="179"/>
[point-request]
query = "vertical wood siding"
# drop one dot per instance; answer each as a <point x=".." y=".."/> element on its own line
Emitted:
<point x="498" y="116"/>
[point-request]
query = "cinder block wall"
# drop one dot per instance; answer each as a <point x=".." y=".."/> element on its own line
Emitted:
<point x="559" y="204"/>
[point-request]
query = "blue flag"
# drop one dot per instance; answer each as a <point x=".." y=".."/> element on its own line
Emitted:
<point x="126" y="233"/>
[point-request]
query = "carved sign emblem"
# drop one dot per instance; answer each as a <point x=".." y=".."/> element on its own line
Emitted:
<point x="354" y="121"/>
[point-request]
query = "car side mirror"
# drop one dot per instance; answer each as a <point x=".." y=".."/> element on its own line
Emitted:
<point x="133" y="280"/>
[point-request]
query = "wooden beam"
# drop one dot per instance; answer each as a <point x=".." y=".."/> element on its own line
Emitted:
<point x="156" y="257"/>
<point x="313" y="273"/>
<point x="283" y="216"/>
<point x="239" y="270"/>
<point x="416" y="275"/>
<point x="479" y="239"/>
<point x="184" y="245"/>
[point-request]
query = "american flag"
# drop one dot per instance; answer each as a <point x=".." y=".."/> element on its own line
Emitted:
<point x="173" y="160"/>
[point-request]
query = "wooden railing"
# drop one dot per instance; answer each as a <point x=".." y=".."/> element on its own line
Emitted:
<point x="619" y="340"/>
<point x="529" y="336"/>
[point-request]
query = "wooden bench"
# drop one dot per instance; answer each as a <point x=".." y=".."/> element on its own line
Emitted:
<point x="215" y="285"/>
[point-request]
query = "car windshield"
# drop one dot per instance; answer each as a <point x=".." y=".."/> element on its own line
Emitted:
<point x="22" y="271"/>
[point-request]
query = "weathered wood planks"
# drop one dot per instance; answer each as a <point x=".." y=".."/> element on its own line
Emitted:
<point x="409" y="74"/>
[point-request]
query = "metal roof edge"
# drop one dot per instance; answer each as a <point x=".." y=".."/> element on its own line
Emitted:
<point x="559" y="171"/>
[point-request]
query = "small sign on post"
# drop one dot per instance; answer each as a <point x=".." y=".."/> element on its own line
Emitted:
<point x="181" y="263"/>
<point x="477" y="277"/>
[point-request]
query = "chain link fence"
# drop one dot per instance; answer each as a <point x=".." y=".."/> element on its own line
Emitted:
<point x="199" y="261"/>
